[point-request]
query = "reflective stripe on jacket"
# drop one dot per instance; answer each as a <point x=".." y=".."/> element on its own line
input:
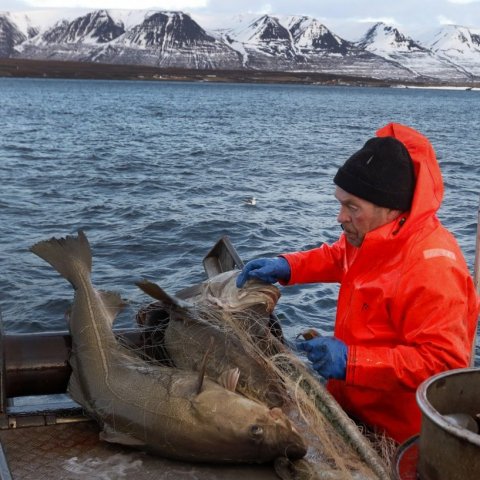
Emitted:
<point x="407" y="306"/>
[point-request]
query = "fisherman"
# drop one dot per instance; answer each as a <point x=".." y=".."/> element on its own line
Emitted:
<point x="407" y="306"/>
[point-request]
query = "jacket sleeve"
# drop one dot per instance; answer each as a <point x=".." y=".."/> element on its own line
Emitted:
<point x="323" y="264"/>
<point x="435" y="313"/>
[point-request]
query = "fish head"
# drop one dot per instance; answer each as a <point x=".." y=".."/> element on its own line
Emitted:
<point x="221" y="290"/>
<point x="249" y="430"/>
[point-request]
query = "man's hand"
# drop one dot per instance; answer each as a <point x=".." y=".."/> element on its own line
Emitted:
<point x="270" y="270"/>
<point x="328" y="356"/>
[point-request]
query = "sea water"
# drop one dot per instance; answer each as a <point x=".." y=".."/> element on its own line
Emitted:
<point x="155" y="173"/>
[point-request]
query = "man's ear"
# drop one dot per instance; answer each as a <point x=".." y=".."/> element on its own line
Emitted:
<point x="393" y="214"/>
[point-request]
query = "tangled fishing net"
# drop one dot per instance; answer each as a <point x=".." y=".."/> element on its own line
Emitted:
<point x="337" y="449"/>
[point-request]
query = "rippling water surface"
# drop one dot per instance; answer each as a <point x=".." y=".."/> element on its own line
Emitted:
<point x="155" y="173"/>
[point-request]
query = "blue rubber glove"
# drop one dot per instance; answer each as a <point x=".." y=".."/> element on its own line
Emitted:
<point x="328" y="356"/>
<point x="270" y="270"/>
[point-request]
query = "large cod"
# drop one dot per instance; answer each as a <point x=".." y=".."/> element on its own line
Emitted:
<point x="215" y="318"/>
<point x="176" y="413"/>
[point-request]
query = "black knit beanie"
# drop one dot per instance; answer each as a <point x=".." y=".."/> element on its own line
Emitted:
<point x="380" y="172"/>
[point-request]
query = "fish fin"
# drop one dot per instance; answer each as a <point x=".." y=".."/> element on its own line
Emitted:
<point x="68" y="313"/>
<point x="113" y="303"/>
<point x="157" y="292"/>
<point x="75" y="388"/>
<point x="229" y="379"/>
<point x="108" y="434"/>
<point x="70" y="256"/>
<point x="203" y="367"/>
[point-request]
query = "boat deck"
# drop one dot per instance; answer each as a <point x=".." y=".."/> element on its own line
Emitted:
<point x="68" y="448"/>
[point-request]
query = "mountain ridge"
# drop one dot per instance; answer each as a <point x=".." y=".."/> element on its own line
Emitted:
<point x="299" y="43"/>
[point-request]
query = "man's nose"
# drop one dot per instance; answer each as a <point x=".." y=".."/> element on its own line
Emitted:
<point x="342" y="216"/>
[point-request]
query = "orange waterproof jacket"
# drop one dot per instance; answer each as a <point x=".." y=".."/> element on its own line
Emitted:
<point x="407" y="307"/>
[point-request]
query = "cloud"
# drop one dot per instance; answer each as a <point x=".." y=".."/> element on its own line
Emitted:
<point x="387" y="20"/>
<point x="265" y="9"/>
<point x="119" y="4"/>
<point x="7" y="5"/>
<point x="443" y="20"/>
<point x="463" y="2"/>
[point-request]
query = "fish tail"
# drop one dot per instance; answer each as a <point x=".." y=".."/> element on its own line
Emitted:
<point x="70" y="256"/>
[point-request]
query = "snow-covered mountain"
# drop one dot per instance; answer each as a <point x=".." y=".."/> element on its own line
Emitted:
<point x="264" y="44"/>
<point x="92" y="28"/>
<point x="389" y="43"/>
<point x="267" y="42"/>
<point x="72" y="39"/>
<point x="321" y="49"/>
<point x="169" y="39"/>
<point x="10" y="36"/>
<point x="161" y="39"/>
<point x="388" y="40"/>
<point x="459" y="45"/>
<point x="300" y="43"/>
<point x="311" y="37"/>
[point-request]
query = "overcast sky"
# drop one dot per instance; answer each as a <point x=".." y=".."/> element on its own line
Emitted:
<point x="344" y="17"/>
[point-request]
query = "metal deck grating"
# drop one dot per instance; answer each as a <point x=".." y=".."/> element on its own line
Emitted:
<point x="73" y="451"/>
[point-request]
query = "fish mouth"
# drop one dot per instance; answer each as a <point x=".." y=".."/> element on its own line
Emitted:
<point x="294" y="446"/>
<point x="272" y="293"/>
<point x="260" y="293"/>
<point x="296" y="450"/>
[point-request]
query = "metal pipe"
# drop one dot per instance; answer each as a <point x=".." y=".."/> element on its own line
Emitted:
<point x="37" y="363"/>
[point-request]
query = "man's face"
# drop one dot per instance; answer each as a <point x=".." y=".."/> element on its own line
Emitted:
<point x="358" y="216"/>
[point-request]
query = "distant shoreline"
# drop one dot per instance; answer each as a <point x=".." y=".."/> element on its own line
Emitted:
<point x="17" y="68"/>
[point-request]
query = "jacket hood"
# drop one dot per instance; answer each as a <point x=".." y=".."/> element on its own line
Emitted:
<point x="428" y="192"/>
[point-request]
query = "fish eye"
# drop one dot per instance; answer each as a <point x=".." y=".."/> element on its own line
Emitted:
<point x="256" y="431"/>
